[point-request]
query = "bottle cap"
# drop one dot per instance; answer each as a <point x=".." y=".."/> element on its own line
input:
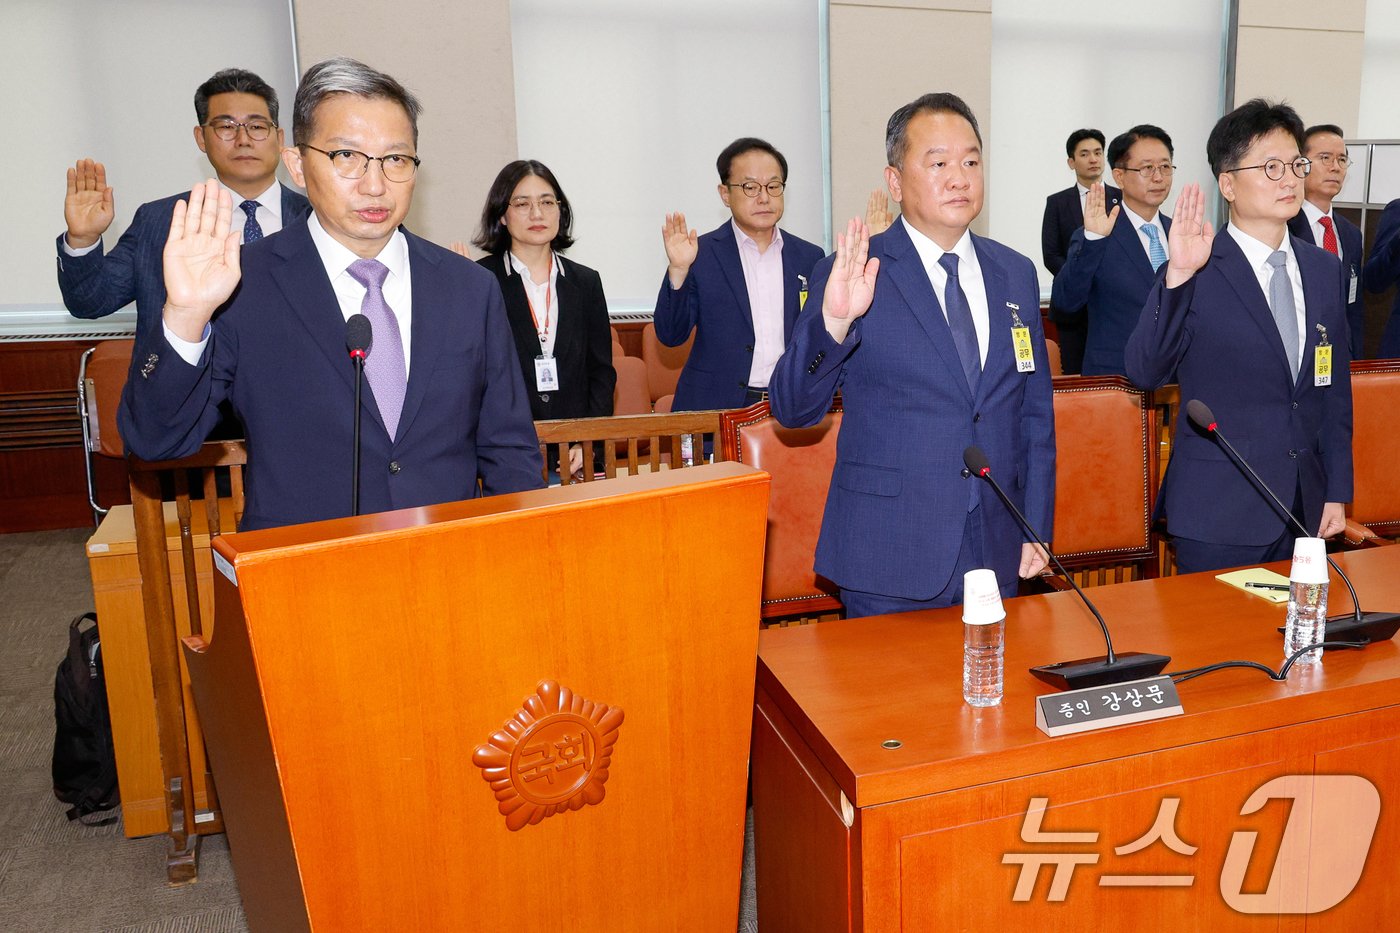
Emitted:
<point x="981" y="598"/>
<point x="1309" y="561"/>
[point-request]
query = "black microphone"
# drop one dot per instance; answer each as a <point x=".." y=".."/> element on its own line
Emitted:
<point x="359" y="334"/>
<point x="1360" y="626"/>
<point x="1109" y="668"/>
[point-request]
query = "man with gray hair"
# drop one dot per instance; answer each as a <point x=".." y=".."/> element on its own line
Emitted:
<point x="936" y="345"/>
<point x="444" y="406"/>
<point x="238" y="131"/>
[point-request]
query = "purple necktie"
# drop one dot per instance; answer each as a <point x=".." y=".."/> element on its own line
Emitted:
<point x="385" y="367"/>
<point x="252" y="230"/>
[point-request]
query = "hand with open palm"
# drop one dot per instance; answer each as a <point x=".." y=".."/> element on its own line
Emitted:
<point x="1189" y="242"/>
<point x="201" y="260"/>
<point x="851" y="286"/>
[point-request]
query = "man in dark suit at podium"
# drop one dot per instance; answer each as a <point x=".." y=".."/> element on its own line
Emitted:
<point x="922" y="342"/>
<point x="238" y="131"/>
<point x="1319" y="225"/>
<point x="444" y="403"/>
<point x="1064" y="214"/>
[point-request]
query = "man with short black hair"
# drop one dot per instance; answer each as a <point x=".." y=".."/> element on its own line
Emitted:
<point x="443" y="415"/>
<point x="935" y="343"/>
<point x="739" y="287"/>
<point x="237" y="129"/>
<point x="1325" y="147"/>
<point x="1251" y="322"/>
<point x="1064" y="214"/>
<point x="1113" y="260"/>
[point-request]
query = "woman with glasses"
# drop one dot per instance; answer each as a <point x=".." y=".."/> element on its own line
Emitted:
<point x="1251" y="322"/>
<point x="558" y="315"/>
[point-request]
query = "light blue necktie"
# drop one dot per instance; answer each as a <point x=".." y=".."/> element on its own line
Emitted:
<point x="385" y="366"/>
<point x="252" y="230"/>
<point x="1285" y="311"/>
<point x="1155" y="254"/>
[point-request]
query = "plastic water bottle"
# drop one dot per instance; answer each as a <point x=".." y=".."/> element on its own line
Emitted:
<point x="984" y="633"/>
<point x="1307" y="600"/>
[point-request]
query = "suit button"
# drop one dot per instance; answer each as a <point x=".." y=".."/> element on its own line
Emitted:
<point x="977" y="417"/>
<point x="743" y="385"/>
<point x="394" y="467"/>
<point x="1293" y="454"/>
<point x="749" y="348"/>
<point x="1295" y="406"/>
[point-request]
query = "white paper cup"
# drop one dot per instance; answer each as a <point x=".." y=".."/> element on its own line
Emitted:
<point x="981" y="598"/>
<point x="1309" y="561"/>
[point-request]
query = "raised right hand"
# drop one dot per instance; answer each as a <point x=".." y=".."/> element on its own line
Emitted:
<point x="851" y="287"/>
<point x="878" y="216"/>
<point x="1097" y="220"/>
<point x="681" y="248"/>
<point x="87" y="208"/>
<point x="201" y="260"/>
<point x="1189" y="242"/>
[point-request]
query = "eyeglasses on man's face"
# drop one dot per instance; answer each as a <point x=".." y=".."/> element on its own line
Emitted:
<point x="351" y="163"/>
<point x="1147" y="171"/>
<point x="752" y="188"/>
<point x="227" y="130"/>
<point x="1327" y="159"/>
<point x="1275" y="168"/>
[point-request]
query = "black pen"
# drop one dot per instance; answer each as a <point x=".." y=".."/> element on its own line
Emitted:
<point x="1275" y="587"/>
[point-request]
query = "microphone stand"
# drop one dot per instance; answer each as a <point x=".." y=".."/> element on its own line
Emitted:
<point x="1110" y="668"/>
<point x="1364" y="627"/>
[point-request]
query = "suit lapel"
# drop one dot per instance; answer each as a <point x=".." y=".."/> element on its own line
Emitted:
<point x="566" y="296"/>
<point x="1128" y="240"/>
<point x="791" y="290"/>
<point x="1315" y="276"/>
<point x="431" y="304"/>
<point x="1001" y="357"/>
<point x="907" y="271"/>
<point x="522" y="330"/>
<point x="1236" y="271"/>
<point x="727" y="250"/>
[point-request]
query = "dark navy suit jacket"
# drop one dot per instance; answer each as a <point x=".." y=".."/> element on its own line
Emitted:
<point x="1215" y="334"/>
<point x="95" y="285"/>
<point x="1107" y="280"/>
<point x="1381" y="271"/>
<point x="714" y="302"/>
<point x="277" y="351"/>
<point x="582" y="345"/>
<point x="1350" y="236"/>
<point x="1063" y="216"/>
<point x="898" y="503"/>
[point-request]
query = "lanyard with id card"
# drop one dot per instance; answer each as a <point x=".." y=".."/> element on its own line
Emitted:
<point x="546" y="367"/>
<point x="1021" y="341"/>
<point x="1322" y="359"/>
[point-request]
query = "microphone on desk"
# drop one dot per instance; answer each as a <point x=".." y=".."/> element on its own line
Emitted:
<point x="1358" y="626"/>
<point x="1110" y="668"/>
<point x="359" y="334"/>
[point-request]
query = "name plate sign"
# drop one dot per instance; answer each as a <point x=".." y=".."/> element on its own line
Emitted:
<point x="1111" y="705"/>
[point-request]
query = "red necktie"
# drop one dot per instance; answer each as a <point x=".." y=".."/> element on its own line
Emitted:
<point x="1329" y="236"/>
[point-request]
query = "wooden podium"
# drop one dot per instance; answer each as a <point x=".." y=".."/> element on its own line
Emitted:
<point x="883" y="802"/>
<point x="528" y="711"/>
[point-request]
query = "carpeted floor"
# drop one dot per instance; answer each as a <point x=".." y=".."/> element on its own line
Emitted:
<point x="62" y="877"/>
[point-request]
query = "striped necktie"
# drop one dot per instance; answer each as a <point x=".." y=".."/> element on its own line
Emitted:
<point x="1155" y="253"/>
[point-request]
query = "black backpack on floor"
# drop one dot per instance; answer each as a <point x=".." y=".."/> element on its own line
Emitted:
<point x="84" y="765"/>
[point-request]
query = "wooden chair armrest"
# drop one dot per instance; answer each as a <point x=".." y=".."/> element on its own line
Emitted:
<point x="1358" y="535"/>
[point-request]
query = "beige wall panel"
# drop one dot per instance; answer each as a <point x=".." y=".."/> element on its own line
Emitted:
<point x="1333" y="15"/>
<point x="456" y="56"/>
<point x="969" y="6"/>
<point x="1267" y="65"/>
<point x="883" y="57"/>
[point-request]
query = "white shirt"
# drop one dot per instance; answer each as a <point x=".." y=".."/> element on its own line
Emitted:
<point x="1257" y="254"/>
<point x="1315" y="215"/>
<point x="763" y="278"/>
<point x="269" y="215"/>
<point x="542" y="298"/>
<point x="969" y="274"/>
<point x="349" y="293"/>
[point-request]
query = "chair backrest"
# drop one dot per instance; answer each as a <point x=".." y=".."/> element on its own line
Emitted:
<point x="632" y="443"/>
<point x="800" y="461"/>
<point x="1052" y="353"/>
<point x="181" y="744"/>
<point x="1106" y="479"/>
<point x="630" y="395"/>
<point x="663" y="363"/>
<point x="100" y="384"/>
<point x="1375" y="445"/>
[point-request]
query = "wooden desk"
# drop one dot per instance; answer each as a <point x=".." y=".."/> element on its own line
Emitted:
<point x="854" y="836"/>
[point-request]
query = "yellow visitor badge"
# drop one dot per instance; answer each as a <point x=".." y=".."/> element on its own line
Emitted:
<point x="1322" y="360"/>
